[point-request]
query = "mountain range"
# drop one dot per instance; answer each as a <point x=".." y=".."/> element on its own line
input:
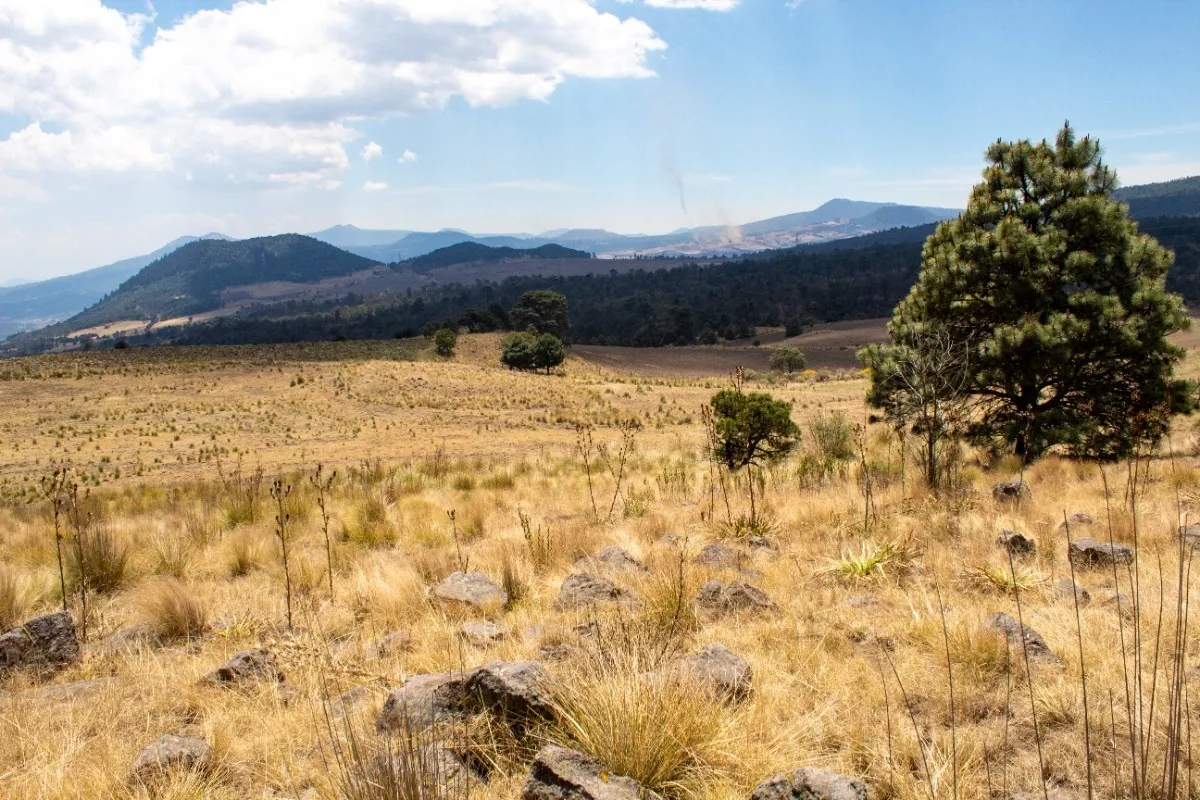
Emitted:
<point x="31" y="306"/>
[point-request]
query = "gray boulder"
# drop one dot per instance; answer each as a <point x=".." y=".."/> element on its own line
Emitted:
<point x="252" y="666"/>
<point x="584" y="589"/>
<point x="719" y="555"/>
<point x="1014" y="491"/>
<point x="1077" y="522"/>
<point x="610" y="559"/>
<point x="473" y="589"/>
<point x="1091" y="554"/>
<point x="723" y="671"/>
<point x="561" y="774"/>
<point x="1190" y="533"/>
<point x="733" y="596"/>
<point x="45" y="644"/>
<point x="482" y="634"/>
<point x="512" y="691"/>
<point x="424" y="700"/>
<point x="1014" y="632"/>
<point x="1065" y="590"/>
<point x="170" y="753"/>
<point x="808" y="783"/>
<point x="1016" y="543"/>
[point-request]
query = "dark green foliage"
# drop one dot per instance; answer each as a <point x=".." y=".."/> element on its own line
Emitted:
<point x="1062" y="302"/>
<point x="444" y="341"/>
<point x="529" y="351"/>
<point x="474" y="253"/>
<point x="751" y="428"/>
<point x="788" y="359"/>
<point x="541" y="311"/>
<point x="1177" y="198"/>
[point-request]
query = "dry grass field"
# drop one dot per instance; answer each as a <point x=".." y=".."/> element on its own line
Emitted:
<point x="875" y="657"/>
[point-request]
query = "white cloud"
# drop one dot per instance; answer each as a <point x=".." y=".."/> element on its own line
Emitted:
<point x="371" y="152"/>
<point x="267" y="91"/>
<point x="709" y="5"/>
<point x="374" y="186"/>
<point x="408" y="157"/>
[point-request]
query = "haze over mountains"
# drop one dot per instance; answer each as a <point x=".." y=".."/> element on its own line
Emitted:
<point x="213" y="277"/>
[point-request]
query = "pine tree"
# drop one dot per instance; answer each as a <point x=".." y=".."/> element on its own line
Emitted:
<point x="1063" y="303"/>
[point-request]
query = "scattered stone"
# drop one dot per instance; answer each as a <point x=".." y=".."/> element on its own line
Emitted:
<point x="610" y="559"/>
<point x="719" y="555"/>
<point x="734" y="596"/>
<point x="394" y="644"/>
<point x="1190" y="533"/>
<point x="862" y="601"/>
<point x="472" y="589"/>
<point x="424" y="700"/>
<point x="561" y="774"/>
<point x="723" y="671"/>
<point x="1122" y="602"/>
<point x="584" y="589"/>
<point x="1014" y="631"/>
<point x="344" y="703"/>
<point x="1014" y="491"/>
<point x="1016" y="543"/>
<point x="513" y="691"/>
<point x="137" y="639"/>
<point x="45" y="644"/>
<point x="1064" y="590"/>
<point x="1077" y="521"/>
<point x="482" y="634"/>
<point x="248" y="667"/>
<point x="1087" y="553"/>
<point x="560" y="651"/>
<point x="169" y="753"/>
<point x="808" y="783"/>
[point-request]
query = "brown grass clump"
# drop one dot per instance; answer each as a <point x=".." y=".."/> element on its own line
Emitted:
<point x="172" y="609"/>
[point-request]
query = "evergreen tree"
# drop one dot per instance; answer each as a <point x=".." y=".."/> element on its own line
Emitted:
<point x="541" y="311"/>
<point x="445" y="340"/>
<point x="788" y="359"/>
<point x="1062" y="301"/>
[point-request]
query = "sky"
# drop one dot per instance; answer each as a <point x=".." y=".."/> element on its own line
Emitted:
<point x="126" y="123"/>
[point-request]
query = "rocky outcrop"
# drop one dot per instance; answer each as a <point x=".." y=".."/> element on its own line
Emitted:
<point x="1093" y="554"/>
<point x="252" y="666"/>
<point x="610" y="559"/>
<point x="171" y="753"/>
<point x="581" y="590"/>
<point x="808" y="783"/>
<point x="45" y="644"/>
<point x="1015" y="632"/>
<point x="561" y="774"/>
<point x="513" y="692"/>
<point x="1014" y="491"/>
<point x="721" y="670"/>
<point x="725" y="598"/>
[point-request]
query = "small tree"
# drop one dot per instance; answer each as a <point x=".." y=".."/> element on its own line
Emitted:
<point x="922" y="382"/>
<point x="548" y="352"/>
<point x="788" y="359"/>
<point x="517" y="350"/>
<point x="751" y="430"/>
<point x="444" y="341"/>
<point x="541" y="311"/>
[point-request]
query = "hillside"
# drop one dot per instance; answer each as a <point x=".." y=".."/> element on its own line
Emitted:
<point x="476" y="253"/>
<point x="1177" y="198"/>
<point x="190" y="280"/>
<point x="34" y="305"/>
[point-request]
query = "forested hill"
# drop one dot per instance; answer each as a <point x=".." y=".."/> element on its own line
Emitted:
<point x="189" y="280"/>
<point x="1175" y="198"/>
<point x="473" y="252"/>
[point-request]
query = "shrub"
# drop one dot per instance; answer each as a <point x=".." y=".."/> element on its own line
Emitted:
<point x="444" y="341"/>
<point x="99" y="559"/>
<point x="528" y="351"/>
<point x="788" y="359"/>
<point x="172" y="609"/>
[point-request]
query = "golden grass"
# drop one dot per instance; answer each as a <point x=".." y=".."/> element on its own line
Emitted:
<point x="494" y="446"/>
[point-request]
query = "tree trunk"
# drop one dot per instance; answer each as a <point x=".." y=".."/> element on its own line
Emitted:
<point x="750" y="477"/>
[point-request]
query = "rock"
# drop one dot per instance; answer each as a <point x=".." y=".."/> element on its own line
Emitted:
<point x="248" y="667"/>
<point x="1064" y="590"/>
<point x="718" y="555"/>
<point x="1086" y="553"/>
<point x="1122" y="602"/>
<point x="1190" y="533"/>
<point x="610" y="559"/>
<point x="440" y="765"/>
<point x="584" y="589"/>
<point x="761" y="543"/>
<point x="481" y="634"/>
<point x="394" y="644"/>
<point x="471" y="589"/>
<point x="1016" y="543"/>
<point x="424" y="700"/>
<point x="1076" y="522"/>
<point x="808" y="783"/>
<point x="169" y="753"/>
<point x="344" y="703"/>
<point x="1013" y="632"/>
<point x="561" y="774"/>
<point x="734" y="596"/>
<point x="723" y="671"/>
<point x="560" y="651"/>
<point x="1014" y="491"/>
<point x="512" y="691"/>
<point x="45" y="644"/>
<point x="137" y="639"/>
<point x="861" y="601"/>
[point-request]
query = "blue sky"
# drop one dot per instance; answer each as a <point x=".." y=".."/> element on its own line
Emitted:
<point x="124" y="125"/>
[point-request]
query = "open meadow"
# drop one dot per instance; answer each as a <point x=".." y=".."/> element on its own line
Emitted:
<point x="472" y="520"/>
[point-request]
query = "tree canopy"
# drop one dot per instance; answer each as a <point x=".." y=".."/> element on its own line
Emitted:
<point x="1062" y="299"/>
<point x="541" y="311"/>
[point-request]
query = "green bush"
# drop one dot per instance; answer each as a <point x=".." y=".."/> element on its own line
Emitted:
<point x="523" y="350"/>
<point x="444" y="341"/>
